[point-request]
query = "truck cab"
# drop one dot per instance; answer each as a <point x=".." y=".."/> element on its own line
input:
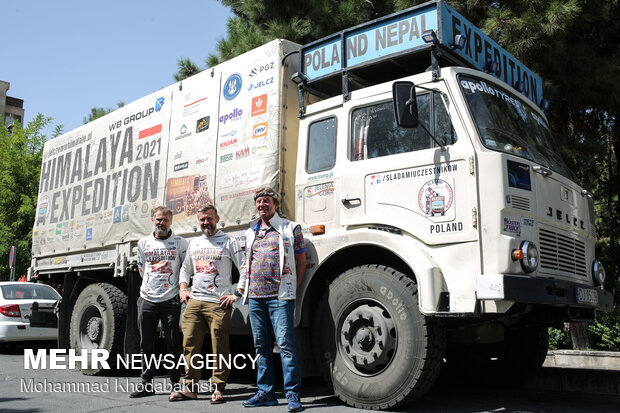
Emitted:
<point x="438" y="209"/>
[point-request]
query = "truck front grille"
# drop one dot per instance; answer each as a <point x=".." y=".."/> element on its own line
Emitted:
<point x="560" y="254"/>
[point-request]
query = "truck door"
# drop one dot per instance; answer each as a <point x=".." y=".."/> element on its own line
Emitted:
<point x="401" y="177"/>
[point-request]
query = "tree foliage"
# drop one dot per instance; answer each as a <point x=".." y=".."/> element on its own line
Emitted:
<point x="96" y="113"/>
<point x="20" y="166"/>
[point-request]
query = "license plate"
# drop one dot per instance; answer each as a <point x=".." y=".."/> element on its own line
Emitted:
<point x="587" y="296"/>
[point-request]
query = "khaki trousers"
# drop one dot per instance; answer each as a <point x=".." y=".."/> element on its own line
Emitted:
<point x="198" y="316"/>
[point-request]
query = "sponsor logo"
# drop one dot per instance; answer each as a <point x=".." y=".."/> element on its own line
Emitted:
<point x="184" y="133"/>
<point x="181" y="166"/>
<point x="435" y="197"/>
<point x="193" y="103"/>
<point x="260" y="84"/>
<point x="260" y="130"/>
<point x="511" y="225"/>
<point x="159" y="103"/>
<point x="234" y="115"/>
<point x="202" y="124"/>
<point x="320" y="190"/>
<point x="178" y="155"/>
<point x="231" y="133"/>
<point x="226" y="158"/>
<point x="203" y="160"/>
<point x="259" y="105"/>
<point x="564" y="217"/>
<point x="89" y="234"/>
<point x="232" y="86"/>
<point x="258" y="149"/>
<point x="228" y="143"/>
<point x="153" y="130"/>
<point x="117" y="215"/>
<point x="242" y="153"/>
<point x="260" y="69"/>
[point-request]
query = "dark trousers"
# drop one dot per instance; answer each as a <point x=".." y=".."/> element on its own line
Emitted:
<point x="149" y="314"/>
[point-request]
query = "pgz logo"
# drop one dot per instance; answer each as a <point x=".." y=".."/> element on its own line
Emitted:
<point x="260" y="69"/>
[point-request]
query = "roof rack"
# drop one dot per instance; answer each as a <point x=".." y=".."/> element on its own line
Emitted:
<point x="421" y="38"/>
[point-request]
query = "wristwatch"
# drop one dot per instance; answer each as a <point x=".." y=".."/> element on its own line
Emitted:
<point x="237" y="294"/>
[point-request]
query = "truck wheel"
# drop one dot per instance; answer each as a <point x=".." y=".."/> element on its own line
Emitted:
<point x="372" y="343"/>
<point x="98" y="321"/>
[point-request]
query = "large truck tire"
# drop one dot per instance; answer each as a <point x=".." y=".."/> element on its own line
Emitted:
<point x="98" y="322"/>
<point x="373" y="345"/>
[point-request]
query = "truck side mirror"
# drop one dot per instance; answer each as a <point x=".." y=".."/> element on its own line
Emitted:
<point x="405" y="104"/>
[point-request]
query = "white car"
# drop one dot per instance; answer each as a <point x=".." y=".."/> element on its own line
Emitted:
<point x="16" y="300"/>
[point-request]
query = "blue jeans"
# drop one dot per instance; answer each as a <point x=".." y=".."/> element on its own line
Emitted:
<point x="264" y="313"/>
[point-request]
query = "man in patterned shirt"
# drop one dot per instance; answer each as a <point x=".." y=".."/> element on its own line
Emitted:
<point x="209" y="261"/>
<point x="160" y="255"/>
<point x="275" y="266"/>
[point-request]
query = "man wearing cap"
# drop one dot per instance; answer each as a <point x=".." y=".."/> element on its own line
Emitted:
<point x="275" y="266"/>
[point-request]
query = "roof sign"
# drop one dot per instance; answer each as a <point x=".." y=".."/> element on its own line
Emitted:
<point x="401" y="33"/>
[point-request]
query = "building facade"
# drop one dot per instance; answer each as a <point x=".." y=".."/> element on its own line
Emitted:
<point x="11" y="109"/>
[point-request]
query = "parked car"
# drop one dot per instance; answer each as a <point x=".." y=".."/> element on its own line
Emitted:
<point x="16" y="302"/>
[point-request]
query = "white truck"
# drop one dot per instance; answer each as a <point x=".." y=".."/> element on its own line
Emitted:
<point x="441" y="222"/>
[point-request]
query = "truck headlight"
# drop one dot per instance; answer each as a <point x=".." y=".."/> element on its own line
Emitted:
<point x="598" y="273"/>
<point x="527" y="255"/>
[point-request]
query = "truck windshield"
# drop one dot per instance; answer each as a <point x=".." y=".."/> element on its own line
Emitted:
<point x="505" y="123"/>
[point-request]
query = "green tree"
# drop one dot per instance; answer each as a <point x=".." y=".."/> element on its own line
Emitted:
<point x="96" y="113"/>
<point x="187" y="68"/>
<point x="20" y="167"/>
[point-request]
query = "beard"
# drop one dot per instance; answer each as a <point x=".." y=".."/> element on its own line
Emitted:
<point x="161" y="232"/>
<point x="208" y="231"/>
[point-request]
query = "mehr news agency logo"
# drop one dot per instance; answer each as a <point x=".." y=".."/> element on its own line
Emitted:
<point x="62" y="359"/>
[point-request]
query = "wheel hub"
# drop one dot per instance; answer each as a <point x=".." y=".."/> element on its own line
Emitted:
<point x="367" y="337"/>
<point x="93" y="328"/>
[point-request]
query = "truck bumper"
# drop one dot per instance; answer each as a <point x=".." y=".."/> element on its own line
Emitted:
<point x="532" y="290"/>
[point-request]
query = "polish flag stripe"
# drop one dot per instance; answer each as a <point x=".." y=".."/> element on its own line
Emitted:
<point x="145" y="133"/>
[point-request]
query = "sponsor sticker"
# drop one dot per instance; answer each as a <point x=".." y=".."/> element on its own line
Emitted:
<point x="184" y="133"/>
<point x="153" y="130"/>
<point x="259" y="105"/>
<point x="435" y="197"/>
<point x="228" y="143"/>
<point x="181" y="166"/>
<point x="232" y="86"/>
<point x="260" y="130"/>
<point x="512" y="226"/>
<point x="242" y="153"/>
<point x="325" y="189"/>
<point x="202" y="124"/>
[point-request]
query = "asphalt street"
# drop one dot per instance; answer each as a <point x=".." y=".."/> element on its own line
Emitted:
<point x="19" y="392"/>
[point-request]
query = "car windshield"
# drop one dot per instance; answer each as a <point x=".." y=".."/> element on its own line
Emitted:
<point x="507" y="124"/>
<point x="28" y="291"/>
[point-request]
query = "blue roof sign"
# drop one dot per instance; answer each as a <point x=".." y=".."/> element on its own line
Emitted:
<point x="401" y="33"/>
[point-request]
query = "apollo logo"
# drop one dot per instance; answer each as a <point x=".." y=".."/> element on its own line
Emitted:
<point x="259" y="105"/>
<point x="260" y="130"/>
<point x="234" y="115"/>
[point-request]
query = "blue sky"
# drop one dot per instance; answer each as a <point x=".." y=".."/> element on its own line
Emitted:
<point x="64" y="57"/>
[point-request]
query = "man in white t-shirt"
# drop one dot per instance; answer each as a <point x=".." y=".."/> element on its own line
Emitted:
<point x="209" y="263"/>
<point x="160" y="256"/>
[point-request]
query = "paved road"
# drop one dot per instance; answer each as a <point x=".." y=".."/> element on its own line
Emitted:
<point x="447" y="396"/>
